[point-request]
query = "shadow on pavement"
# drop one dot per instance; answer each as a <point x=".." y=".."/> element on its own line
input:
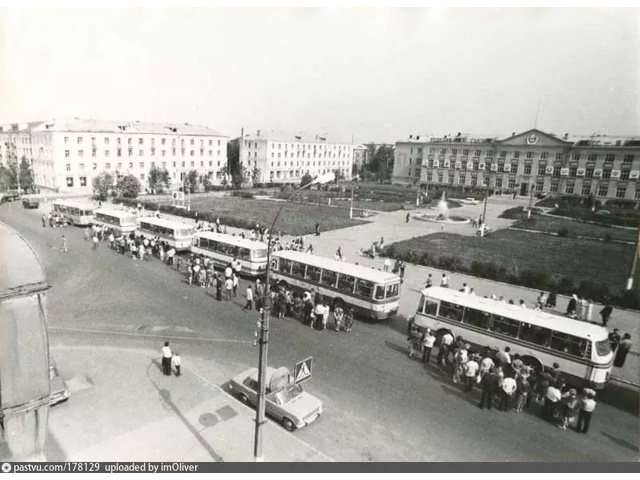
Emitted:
<point x="53" y="450"/>
<point x="397" y="323"/>
<point x="620" y="396"/>
<point x="394" y="346"/>
<point x="621" y="442"/>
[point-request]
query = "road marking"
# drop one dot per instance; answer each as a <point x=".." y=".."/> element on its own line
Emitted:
<point x="133" y="334"/>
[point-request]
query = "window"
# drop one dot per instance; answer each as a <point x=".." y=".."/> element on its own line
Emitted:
<point x="542" y="169"/>
<point x="67" y="153"/>
<point x="192" y="141"/>
<point x="544" y="155"/>
<point x="107" y="166"/>
<point x="141" y="164"/>
<point x="610" y="157"/>
<point x="69" y="181"/>
<point x="505" y="326"/>
<point x="628" y="158"/>
<point x="490" y="153"/>
<point x="527" y="169"/>
<point x="141" y="153"/>
<point x="554" y="186"/>
<point x="451" y="311"/>
<point x="163" y="141"/>
<point x="129" y="141"/>
<point x="515" y="154"/>
<point x="153" y="152"/>
<point x="530" y="155"/>
<point x="624" y="174"/>
<point x="392" y="290"/>
<point x="559" y="156"/>
<point x="602" y="190"/>
<point x="569" y="188"/>
<point x="364" y="288"/>
<point x="142" y="176"/>
<point x="95" y="166"/>
<point x="83" y="181"/>
<point x="576" y="157"/>
<point x="538" y="335"/>
<point x="106" y="140"/>
<point x="66" y="140"/>
<point x="68" y="167"/>
<point x="588" y="173"/>
<point x="563" y="342"/>
<point x="131" y="152"/>
<point x="606" y="173"/>
<point x="81" y="166"/>
<point x="379" y="295"/>
<point x="586" y="189"/>
<point x="106" y="153"/>
<point x="329" y="278"/>
<point x="191" y="152"/>
<point x="573" y="171"/>
<point x="503" y="154"/>
<point x="591" y="158"/>
<point x="621" y="192"/>
<point x="140" y="141"/>
<point x="512" y="183"/>
<point x="118" y="152"/>
<point x="94" y="152"/>
<point x="298" y="269"/>
<point x="429" y="307"/>
<point x="477" y="318"/>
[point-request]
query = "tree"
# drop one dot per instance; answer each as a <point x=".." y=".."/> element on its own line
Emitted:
<point x="159" y="178"/>
<point x="5" y="179"/>
<point x="128" y="186"/>
<point x="192" y="181"/>
<point x="255" y="175"/>
<point x="102" y="184"/>
<point x="238" y="177"/>
<point x="27" y="182"/>
<point x="380" y="162"/>
<point x="306" y="179"/>
<point x="233" y="155"/>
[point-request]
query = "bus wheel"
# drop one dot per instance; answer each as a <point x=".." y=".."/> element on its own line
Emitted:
<point x="532" y="362"/>
<point x="338" y="302"/>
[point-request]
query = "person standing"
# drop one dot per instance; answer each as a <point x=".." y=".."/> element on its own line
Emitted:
<point x="507" y="390"/>
<point x="87" y="234"/>
<point x="489" y="384"/>
<point x="319" y="315"/>
<point x="249" y="295"/>
<point x="348" y="320"/>
<point x="504" y="358"/>
<point x="445" y="281"/>
<point x="64" y="244"/>
<point x="614" y="339"/>
<point x="570" y="405"/>
<point x="429" y="281"/>
<point x="166" y="359"/>
<point x="605" y="313"/>
<point x="387" y="264"/>
<point x="325" y="316"/>
<point x="228" y="271"/>
<point x="219" y="288"/>
<point x="623" y="350"/>
<point x="407" y="218"/>
<point x="540" y="301"/>
<point x="589" y="313"/>
<point x="402" y="267"/>
<point x="523" y="387"/>
<point x="470" y="372"/>
<point x="338" y="318"/>
<point x="552" y="397"/>
<point x="177" y="363"/>
<point x="228" y="288"/>
<point x="234" y="280"/>
<point x="428" y="340"/>
<point x="572" y="306"/>
<point x="443" y="349"/>
<point x="44" y="220"/>
<point x="587" y="406"/>
<point x="95" y="240"/>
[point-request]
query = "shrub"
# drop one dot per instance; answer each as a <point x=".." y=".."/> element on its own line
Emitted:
<point x="563" y="232"/>
<point x="514" y="213"/>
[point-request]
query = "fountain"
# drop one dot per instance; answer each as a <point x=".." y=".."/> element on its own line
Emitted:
<point x="442" y="214"/>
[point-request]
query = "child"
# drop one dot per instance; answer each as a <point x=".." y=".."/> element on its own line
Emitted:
<point x="176" y="363"/>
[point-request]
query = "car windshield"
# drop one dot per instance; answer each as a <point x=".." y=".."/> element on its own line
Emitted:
<point x="287" y="394"/>
<point x="603" y="348"/>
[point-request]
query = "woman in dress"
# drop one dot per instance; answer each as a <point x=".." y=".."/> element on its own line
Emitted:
<point x="348" y="320"/>
<point x="338" y="318"/>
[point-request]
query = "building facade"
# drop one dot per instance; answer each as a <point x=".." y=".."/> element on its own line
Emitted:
<point x="360" y="155"/>
<point x="607" y="167"/>
<point x="67" y="154"/>
<point x="286" y="158"/>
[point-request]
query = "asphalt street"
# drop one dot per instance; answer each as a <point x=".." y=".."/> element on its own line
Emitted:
<point x="379" y="404"/>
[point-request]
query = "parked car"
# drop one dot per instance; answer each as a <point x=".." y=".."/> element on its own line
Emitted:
<point x="9" y="196"/>
<point x="59" y="392"/>
<point x="30" y="202"/>
<point x="286" y="402"/>
<point x="469" y="201"/>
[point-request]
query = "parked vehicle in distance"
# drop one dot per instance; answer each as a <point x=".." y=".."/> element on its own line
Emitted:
<point x="59" y="392"/>
<point x="286" y="402"/>
<point x="30" y="202"/>
<point x="9" y="196"/>
<point x="469" y="201"/>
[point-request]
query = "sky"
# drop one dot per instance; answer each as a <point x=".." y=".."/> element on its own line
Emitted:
<point x="367" y="74"/>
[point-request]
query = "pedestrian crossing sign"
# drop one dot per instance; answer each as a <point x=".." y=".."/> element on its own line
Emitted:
<point x="302" y="370"/>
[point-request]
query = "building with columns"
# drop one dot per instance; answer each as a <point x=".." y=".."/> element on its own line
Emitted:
<point x="66" y="154"/>
<point x="286" y="158"/>
<point x="607" y="167"/>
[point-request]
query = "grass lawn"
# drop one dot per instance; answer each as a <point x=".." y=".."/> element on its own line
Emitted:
<point x="602" y="262"/>
<point x="550" y="224"/>
<point x="295" y="219"/>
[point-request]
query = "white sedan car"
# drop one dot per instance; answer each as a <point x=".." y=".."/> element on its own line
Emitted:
<point x="469" y="201"/>
<point x="288" y="403"/>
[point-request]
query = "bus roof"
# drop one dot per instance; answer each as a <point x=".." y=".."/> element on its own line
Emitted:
<point x="163" y="222"/>
<point x="83" y="204"/>
<point x="116" y="213"/>
<point x="365" y="273"/>
<point x="232" y="240"/>
<point x="20" y="269"/>
<point x="526" y="315"/>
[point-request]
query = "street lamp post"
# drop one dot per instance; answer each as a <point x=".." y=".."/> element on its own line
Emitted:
<point x="636" y="252"/>
<point x="531" y="187"/>
<point x="263" y="325"/>
<point x="484" y="212"/>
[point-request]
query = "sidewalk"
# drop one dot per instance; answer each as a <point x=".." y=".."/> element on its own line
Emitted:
<point x="142" y="415"/>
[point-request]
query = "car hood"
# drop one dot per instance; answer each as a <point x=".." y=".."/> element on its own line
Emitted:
<point x="303" y="404"/>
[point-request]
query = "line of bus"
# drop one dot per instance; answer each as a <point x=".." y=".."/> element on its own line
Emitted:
<point x="222" y="249"/>
<point x="372" y="293"/>
<point x="582" y="349"/>
<point x="77" y="212"/>
<point x="178" y="235"/>
<point x="120" y="221"/>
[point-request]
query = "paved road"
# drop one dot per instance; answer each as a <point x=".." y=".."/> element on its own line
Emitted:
<point x="380" y="406"/>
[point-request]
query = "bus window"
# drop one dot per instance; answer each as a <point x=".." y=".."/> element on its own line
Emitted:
<point x="392" y="290"/>
<point x="451" y="311"/>
<point x="346" y="283"/>
<point x="364" y="288"/>
<point x="477" y="318"/>
<point x="421" y="303"/>
<point x="538" y="335"/>
<point x="259" y="254"/>
<point x="563" y="342"/>
<point x="313" y="274"/>
<point x="297" y="269"/>
<point x="603" y="348"/>
<point x="430" y="307"/>
<point x="329" y="278"/>
<point x="379" y="292"/>
<point x="243" y="253"/>
<point x="285" y="265"/>
<point x="505" y="326"/>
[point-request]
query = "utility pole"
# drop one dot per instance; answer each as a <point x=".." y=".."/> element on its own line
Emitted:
<point x="484" y="212"/>
<point x="636" y="252"/>
<point x="351" y="203"/>
<point x="531" y="187"/>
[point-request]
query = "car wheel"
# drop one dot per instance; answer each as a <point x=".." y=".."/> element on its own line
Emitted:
<point x="244" y="399"/>
<point x="288" y="424"/>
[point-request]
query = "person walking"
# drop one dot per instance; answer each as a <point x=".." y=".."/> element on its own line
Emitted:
<point x="87" y="234"/>
<point x="551" y="300"/>
<point x="249" y="295"/>
<point x="44" y="220"/>
<point x="552" y="397"/>
<point x="407" y="218"/>
<point x="177" y="363"/>
<point x="623" y="350"/>
<point x="166" y="359"/>
<point x="234" y="282"/>
<point x="402" y="267"/>
<point x="572" y="306"/>
<point x="605" y="313"/>
<point x="587" y="406"/>
<point x="523" y="387"/>
<point x="64" y="244"/>
<point x="112" y="240"/>
<point x="428" y="341"/>
<point x="95" y="240"/>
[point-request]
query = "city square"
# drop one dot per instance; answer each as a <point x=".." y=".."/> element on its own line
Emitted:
<point x="148" y="345"/>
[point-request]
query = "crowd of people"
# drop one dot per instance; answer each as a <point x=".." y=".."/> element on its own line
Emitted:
<point x="504" y="380"/>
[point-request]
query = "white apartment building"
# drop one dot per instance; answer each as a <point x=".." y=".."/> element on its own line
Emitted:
<point x="286" y="158"/>
<point x="66" y="154"/>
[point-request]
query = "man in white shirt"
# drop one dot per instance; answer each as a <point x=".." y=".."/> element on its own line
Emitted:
<point x="427" y="344"/>
<point x="443" y="350"/>
<point x="503" y="357"/>
<point x="228" y="287"/>
<point x="249" y="304"/>
<point x="166" y="359"/>
<point x="237" y="267"/>
<point x="228" y="271"/>
<point x="507" y="391"/>
<point x="445" y="281"/>
<point x="465" y="288"/>
<point x="234" y="280"/>
<point x="470" y="372"/>
<point x="552" y="397"/>
<point x="387" y="264"/>
<point x="587" y="407"/>
<point x="319" y="315"/>
<point x="486" y="365"/>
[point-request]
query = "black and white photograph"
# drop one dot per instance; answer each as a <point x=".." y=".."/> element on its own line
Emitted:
<point x="319" y="235"/>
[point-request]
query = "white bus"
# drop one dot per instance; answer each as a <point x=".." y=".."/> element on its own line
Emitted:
<point x="178" y="235"/>
<point x="120" y="221"/>
<point x="78" y="213"/>
<point x="222" y="249"/>
<point x="372" y="293"/>
<point x="582" y="349"/>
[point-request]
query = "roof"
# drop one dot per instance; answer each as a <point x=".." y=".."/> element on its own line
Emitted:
<point x="365" y="273"/>
<point x="526" y="315"/>
<point x="115" y="212"/>
<point x="163" y="222"/>
<point x="20" y="269"/>
<point x="233" y="240"/>
<point x="293" y="137"/>
<point x="24" y="127"/>
<point x="84" y="204"/>
<point x="123" y="127"/>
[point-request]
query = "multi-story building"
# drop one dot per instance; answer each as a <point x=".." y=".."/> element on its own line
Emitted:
<point x="66" y="154"/>
<point x="360" y="155"/>
<point x="607" y="167"/>
<point x="286" y="158"/>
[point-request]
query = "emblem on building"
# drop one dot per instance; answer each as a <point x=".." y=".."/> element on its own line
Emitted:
<point x="532" y="139"/>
